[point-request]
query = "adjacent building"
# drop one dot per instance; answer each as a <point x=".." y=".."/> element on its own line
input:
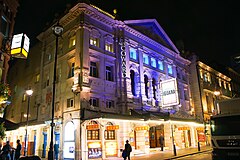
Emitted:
<point x="116" y="81"/>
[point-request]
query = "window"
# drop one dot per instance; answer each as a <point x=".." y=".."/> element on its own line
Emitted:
<point x="153" y="62"/>
<point x="72" y="41"/>
<point x="133" y="54"/>
<point x="109" y="104"/>
<point x="48" y="80"/>
<point x="37" y="78"/>
<point x="109" y="134"/>
<point x="24" y="97"/>
<point x="93" y="69"/>
<point x="71" y="71"/>
<point x="70" y="102"/>
<point x="154" y="86"/>
<point x="93" y="134"/>
<point x="4" y="26"/>
<point x="160" y="65"/>
<point x="109" y="47"/>
<point x="220" y="82"/>
<point x="109" y="74"/>
<point x="145" y="59"/>
<point x="132" y="76"/>
<point x="146" y="85"/>
<point x="49" y="56"/>
<point x="94" y="41"/>
<point x="94" y="102"/>
<point x="170" y="71"/>
<point x="229" y="86"/>
<point x="57" y="107"/>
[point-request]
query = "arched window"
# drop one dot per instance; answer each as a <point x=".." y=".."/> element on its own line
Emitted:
<point x="109" y="133"/>
<point x="146" y="85"/>
<point x="154" y="88"/>
<point x="132" y="76"/>
<point x="93" y="131"/>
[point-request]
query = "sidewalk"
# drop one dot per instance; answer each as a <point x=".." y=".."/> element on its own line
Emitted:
<point x="167" y="154"/>
<point x="164" y="155"/>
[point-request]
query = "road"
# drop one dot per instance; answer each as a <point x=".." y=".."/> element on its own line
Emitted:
<point x="200" y="156"/>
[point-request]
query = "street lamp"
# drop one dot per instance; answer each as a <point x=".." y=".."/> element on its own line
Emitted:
<point x="29" y="93"/>
<point x="57" y="31"/>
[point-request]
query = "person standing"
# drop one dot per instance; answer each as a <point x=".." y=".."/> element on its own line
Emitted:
<point x="7" y="151"/>
<point x="128" y="149"/>
<point x="161" y="141"/>
<point x="18" y="150"/>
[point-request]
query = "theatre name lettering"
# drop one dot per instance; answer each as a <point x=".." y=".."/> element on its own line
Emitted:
<point x="165" y="93"/>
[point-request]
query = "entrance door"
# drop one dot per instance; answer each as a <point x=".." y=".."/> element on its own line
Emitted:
<point x="69" y="141"/>
<point x="154" y="134"/>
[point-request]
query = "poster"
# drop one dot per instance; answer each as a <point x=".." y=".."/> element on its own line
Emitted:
<point x="94" y="150"/>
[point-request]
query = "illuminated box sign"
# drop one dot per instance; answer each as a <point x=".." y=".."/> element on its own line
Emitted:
<point x="183" y="128"/>
<point x="94" y="150"/>
<point x="20" y="46"/>
<point x="112" y="127"/>
<point x="92" y="127"/>
<point x="200" y="129"/>
<point x="141" y="128"/>
<point x="123" y="57"/>
<point x="169" y="92"/>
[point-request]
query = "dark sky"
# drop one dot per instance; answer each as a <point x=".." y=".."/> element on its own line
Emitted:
<point x="207" y="27"/>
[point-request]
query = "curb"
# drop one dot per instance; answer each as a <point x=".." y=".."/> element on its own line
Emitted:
<point x="175" y="157"/>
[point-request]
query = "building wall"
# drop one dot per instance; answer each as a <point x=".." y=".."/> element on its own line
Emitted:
<point x="86" y="31"/>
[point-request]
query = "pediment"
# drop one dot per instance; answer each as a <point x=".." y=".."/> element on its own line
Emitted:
<point x="152" y="29"/>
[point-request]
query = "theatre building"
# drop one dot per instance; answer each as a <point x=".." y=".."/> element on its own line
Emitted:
<point x="116" y="81"/>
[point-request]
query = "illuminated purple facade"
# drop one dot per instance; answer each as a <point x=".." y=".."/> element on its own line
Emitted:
<point x="116" y="80"/>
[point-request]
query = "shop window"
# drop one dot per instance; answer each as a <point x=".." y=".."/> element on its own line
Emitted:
<point x="153" y="62"/>
<point x="160" y="65"/>
<point x="133" y="54"/>
<point x="109" y="73"/>
<point x="94" y="102"/>
<point x="93" y="134"/>
<point x="170" y="69"/>
<point x="70" y="102"/>
<point x="72" y="41"/>
<point x="146" y="83"/>
<point x="132" y="76"/>
<point x="109" y="104"/>
<point x="93" y="69"/>
<point x="145" y="59"/>
<point x="109" y="134"/>
<point x="94" y="41"/>
<point x="109" y="47"/>
<point x="154" y="86"/>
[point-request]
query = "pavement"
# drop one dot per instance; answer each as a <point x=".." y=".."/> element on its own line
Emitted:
<point x="165" y="155"/>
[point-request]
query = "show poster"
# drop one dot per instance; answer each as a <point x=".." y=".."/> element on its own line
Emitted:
<point x="94" y="150"/>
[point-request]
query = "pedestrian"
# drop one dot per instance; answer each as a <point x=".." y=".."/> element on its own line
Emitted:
<point x="18" y="150"/>
<point x="6" y="151"/>
<point x="161" y="141"/>
<point x="128" y="150"/>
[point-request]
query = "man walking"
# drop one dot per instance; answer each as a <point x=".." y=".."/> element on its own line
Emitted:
<point x="161" y="141"/>
<point x="128" y="150"/>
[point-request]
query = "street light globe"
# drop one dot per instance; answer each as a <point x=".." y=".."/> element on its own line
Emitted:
<point x="29" y="92"/>
<point x="57" y="29"/>
<point x="216" y="93"/>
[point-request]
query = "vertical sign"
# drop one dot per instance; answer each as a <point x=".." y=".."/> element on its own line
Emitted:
<point x="123" y="56"/>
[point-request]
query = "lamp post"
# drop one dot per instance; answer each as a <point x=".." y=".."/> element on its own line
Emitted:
<point x="57" y="31"/>
<point x="29" y="92"/>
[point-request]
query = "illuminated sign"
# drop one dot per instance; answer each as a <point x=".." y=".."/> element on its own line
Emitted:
<point x="94" y="150"/>
<point x="20" y="46"/>
<point x="112" y="127"/>
<point x="123" y="57"/>
<point x="200" y="129"/>
<point x="111" y="148"/>
<point x="169" y="92"/>
<point x="92" y="127"/>
<point x="183" y="128"/>
<point x="141" y="128"/>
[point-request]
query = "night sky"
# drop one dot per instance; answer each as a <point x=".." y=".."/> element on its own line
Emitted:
<point x="210" y="28"/>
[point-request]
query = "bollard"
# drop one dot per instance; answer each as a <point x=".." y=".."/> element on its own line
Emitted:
<point x="198" y="146"/>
